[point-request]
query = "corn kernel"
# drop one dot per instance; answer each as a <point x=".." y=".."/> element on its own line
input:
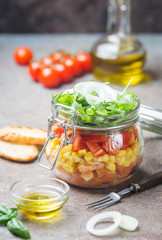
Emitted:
<point x="69" y="167"/>
<point x="66" y="155"/>
<point x="81" y="153"/>
<point x="133" y="158"/>
<point x="69" y="147"/>
<point x="88" y="156"/>
<point x="111" y="158"/>
<point x="87" y="176"/>
<point x="121" y="161"/>
<point x="111" y="167"/>
<point x="98" y="159"/>
<point x="136" y="148"/>
<point x="56" y="141"/>
<point x="129" y="152"/>
<point x="126" y="163"/>
<point x="105" y="158"/>
<point x="121" y="153"/>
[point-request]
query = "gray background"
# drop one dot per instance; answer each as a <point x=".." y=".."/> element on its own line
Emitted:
<point x="62" y="16"/>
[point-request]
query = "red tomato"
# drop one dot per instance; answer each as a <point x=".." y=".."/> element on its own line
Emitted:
<point x="78" y="144"/>
<point x="85" y="61"/>
<point x="58" y="55"/>
<point x="128" y="138"/>
<point x="94" y="137"/>
<point x="23" y="55"/>
<point x="113" y="144"/>
<point x="33" y="69"/>
<point x="49" y="77"/>
<point x="65" y="73"/>
<point x="57" y="129"/>
<point x="73" y="64"/>
<point x="95" y="149"/>
<point x="47" y="60"/>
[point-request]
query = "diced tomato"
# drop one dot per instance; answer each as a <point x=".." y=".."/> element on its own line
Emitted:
<point x="135" y="132"/>
<point x="113" y="143"/>
<point x="94" y="138"/>
<point x="95" y="149"/>
<point x="128" y="139"/>
<point x="105" y="146"/>
<point x="78" y="144"/>
<point x="57" y="129"/>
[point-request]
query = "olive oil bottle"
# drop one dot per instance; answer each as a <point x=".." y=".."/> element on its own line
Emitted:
<point x="118" y="56"/>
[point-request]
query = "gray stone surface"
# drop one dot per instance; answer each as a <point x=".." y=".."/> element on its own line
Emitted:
<point x="24" y="102"/>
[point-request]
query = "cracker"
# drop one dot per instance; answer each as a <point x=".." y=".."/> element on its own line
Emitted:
<point x="24" y="135"/>
<point x="18" y="152"/>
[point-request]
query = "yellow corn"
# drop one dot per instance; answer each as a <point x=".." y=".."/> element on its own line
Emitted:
<point x="121" y="161"/>
<point x="69" y="167"/>
<point x="129" y="152"/>
<point x="111" y="167"/>
<point x="105" y="158"/>
<point x="121" y="153"/>
<point x="88" y="156"/>
<point x="133" y="158"/>
<point x="111" y="158"/>
<point x="81" y="153"/>
<point x="126" y="163"/>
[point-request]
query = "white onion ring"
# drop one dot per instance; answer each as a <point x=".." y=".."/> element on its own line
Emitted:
<point x="116" y="216"/>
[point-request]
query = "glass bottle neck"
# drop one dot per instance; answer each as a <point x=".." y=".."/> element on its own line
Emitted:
<point x="118" y="21"/>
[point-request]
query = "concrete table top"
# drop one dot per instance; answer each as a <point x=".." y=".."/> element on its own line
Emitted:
<point x="26" y="103"/>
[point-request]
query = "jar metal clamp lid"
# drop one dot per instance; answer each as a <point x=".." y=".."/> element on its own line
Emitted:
<point x="51" y="135"/>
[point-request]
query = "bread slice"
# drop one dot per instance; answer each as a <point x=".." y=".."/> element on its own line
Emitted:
<point x="18" y="152"/>
<point x="24" y="135"/>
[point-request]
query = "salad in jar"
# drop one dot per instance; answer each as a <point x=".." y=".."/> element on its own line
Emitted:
<point x="105" y="143"/>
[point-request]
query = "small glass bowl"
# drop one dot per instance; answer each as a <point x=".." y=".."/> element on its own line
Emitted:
<point x="39" y="197"/>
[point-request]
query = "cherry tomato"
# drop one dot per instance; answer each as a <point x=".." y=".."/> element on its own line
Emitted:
<point x="85" y="60"/>
<point x="65" y="73"/>
<point x="47" y="60"/>
<point x="58" y="55"/>
<point x="33" y="69"/>
<point x="73" y="64"/>
<point x="49" y="77"/>
<point x="23" y="55"/>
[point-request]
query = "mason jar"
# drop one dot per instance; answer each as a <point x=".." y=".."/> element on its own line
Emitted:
<point x="93" y="151"/>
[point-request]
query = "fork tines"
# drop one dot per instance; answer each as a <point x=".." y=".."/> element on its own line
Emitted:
<point x="107" y="201"/>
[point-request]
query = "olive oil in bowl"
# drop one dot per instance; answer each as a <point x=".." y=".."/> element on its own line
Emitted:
<point x="39" y="205"/>
<point x="39" y="197"/>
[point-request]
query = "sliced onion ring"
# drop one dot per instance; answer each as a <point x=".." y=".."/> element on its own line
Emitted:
<point x="116" y="216"/>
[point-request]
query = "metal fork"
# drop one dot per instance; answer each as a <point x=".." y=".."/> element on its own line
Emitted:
<point x="113" y="197"/>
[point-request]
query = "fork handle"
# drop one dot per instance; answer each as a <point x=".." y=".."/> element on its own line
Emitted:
<point x="154" y="181"/>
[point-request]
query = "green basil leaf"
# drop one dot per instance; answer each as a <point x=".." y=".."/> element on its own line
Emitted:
<point x="16" y="227"/>
<point x="13" y="213"/>
<point x="3" y="219"/>
<point x="4" y="209"/>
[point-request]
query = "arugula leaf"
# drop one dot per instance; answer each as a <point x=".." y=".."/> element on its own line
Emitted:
<point x="94" y="93"/>
<point x="116" y="109"/>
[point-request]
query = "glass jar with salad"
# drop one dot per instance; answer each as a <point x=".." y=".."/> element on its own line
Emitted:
<point x="95" y="139"/>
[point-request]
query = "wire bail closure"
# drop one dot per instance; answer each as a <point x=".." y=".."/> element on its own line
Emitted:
<point x="51" y="135"/>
